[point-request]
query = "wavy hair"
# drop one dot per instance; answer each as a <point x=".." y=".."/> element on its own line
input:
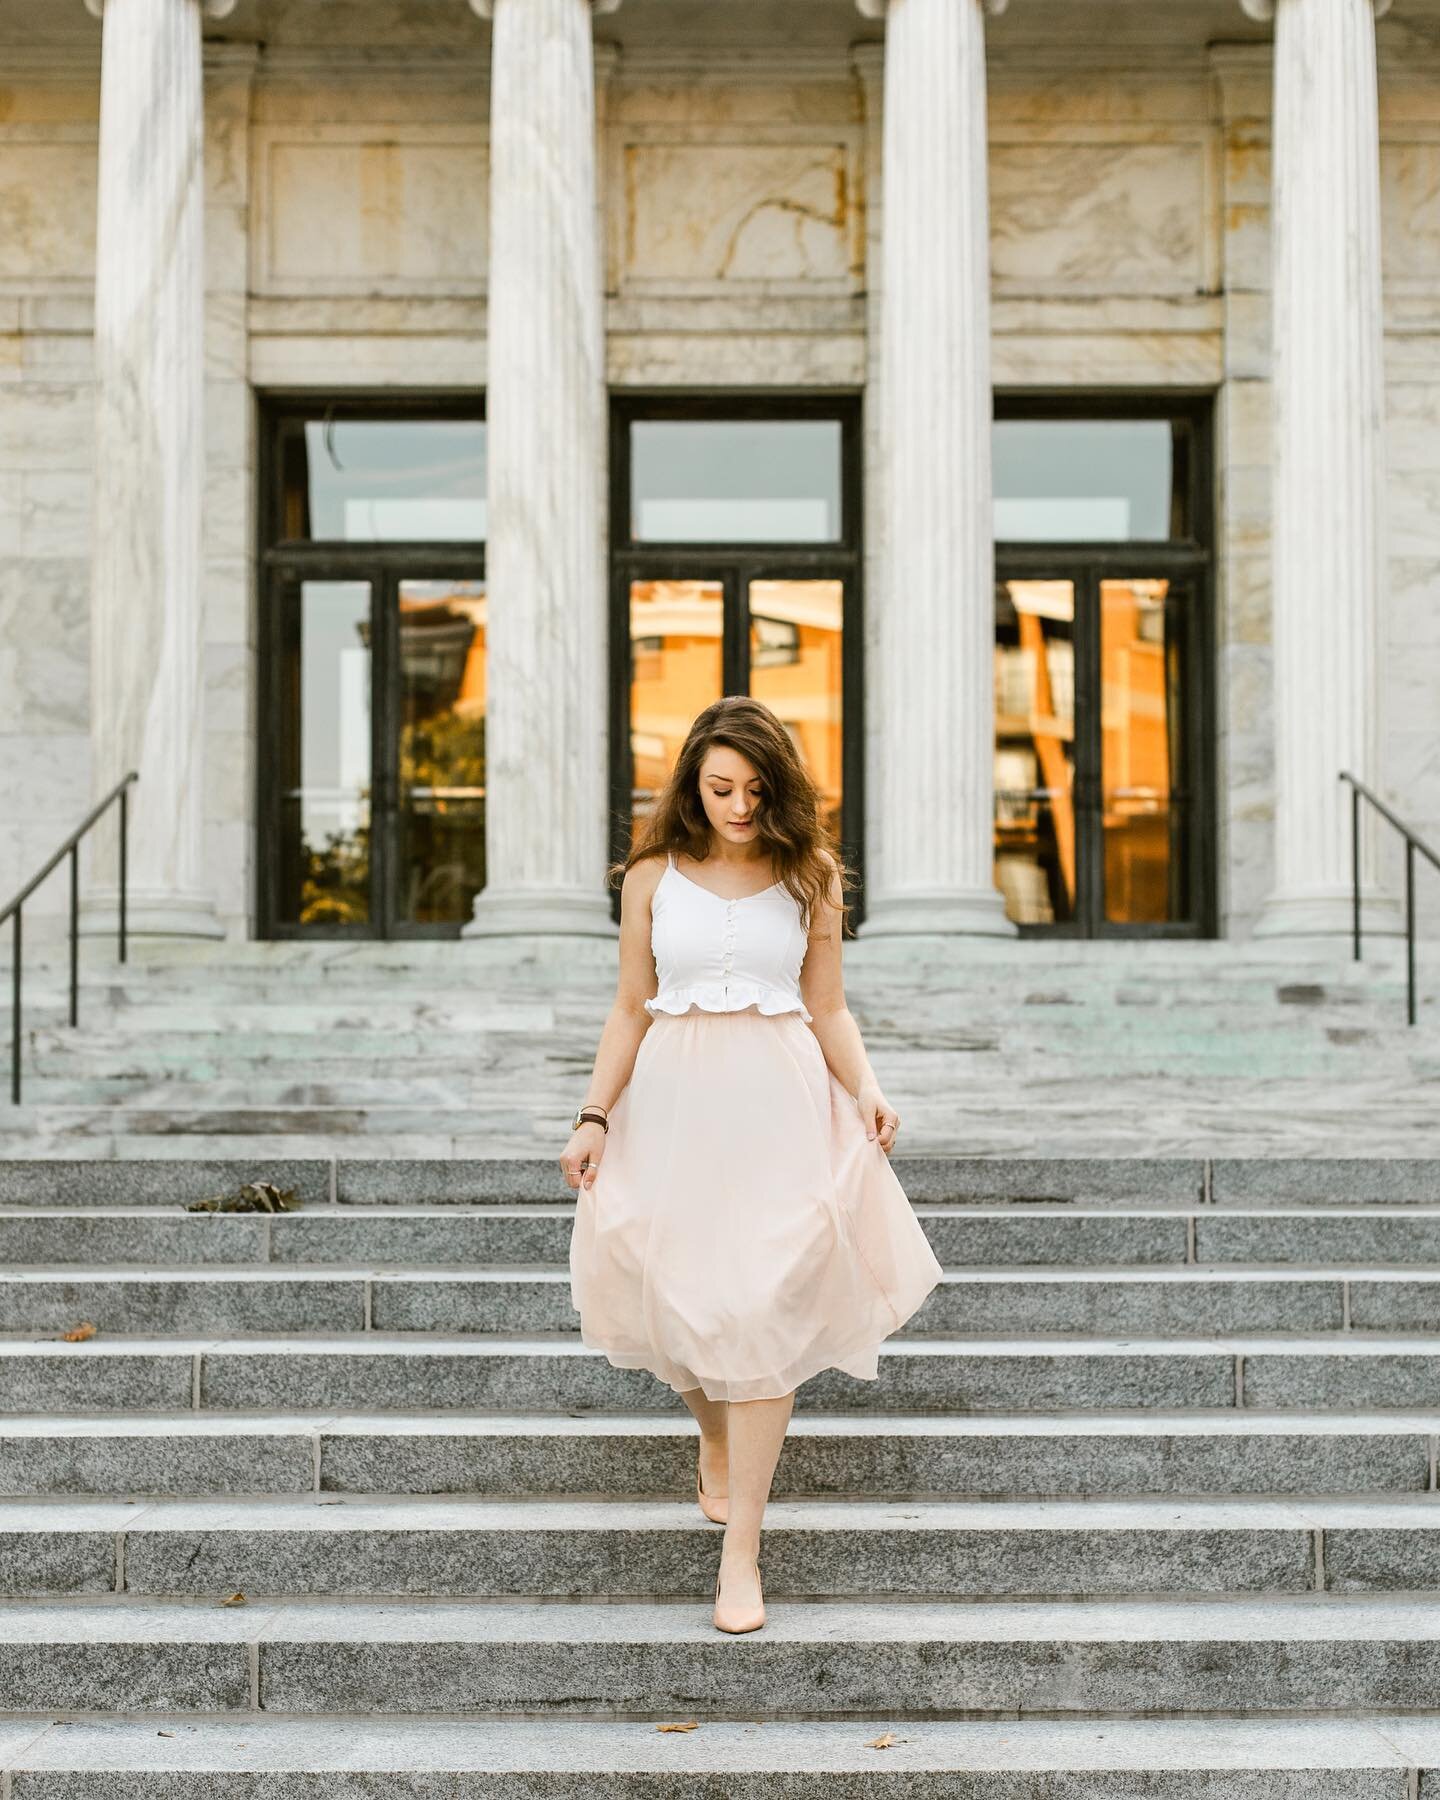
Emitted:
<point x="788" y="820"/>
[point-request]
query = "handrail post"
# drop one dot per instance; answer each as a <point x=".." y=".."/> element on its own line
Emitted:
<point x="15" y="946"/>
<point x="124" y="857"/>
<point x="1410" y="929"/>
<point x="75" y="935"/>
<point x="1355" y="864"/>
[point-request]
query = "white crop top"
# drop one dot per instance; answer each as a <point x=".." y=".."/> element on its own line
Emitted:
<point x="721" y="955"/>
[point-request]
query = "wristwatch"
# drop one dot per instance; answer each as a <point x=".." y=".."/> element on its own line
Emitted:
<point x="591" y="1111"/>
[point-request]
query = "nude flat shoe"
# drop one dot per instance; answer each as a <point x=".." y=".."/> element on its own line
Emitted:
<point x="751" y="1621"/>
<point x="716" y="1510"/>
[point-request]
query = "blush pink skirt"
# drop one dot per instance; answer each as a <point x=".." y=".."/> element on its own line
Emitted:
<point x="742" y="1232"/>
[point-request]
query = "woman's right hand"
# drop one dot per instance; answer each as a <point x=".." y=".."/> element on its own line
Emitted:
<point x="586" y="1146"/>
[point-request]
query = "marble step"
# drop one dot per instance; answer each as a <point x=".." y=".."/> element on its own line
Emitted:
<point x="963" y="1236"/>
<point x="626" y="1548"/>
<point x="1019" y="1116"/>
<point x="995" y="1456"/>
<point x="1128" y="1182"/>
<point x="1324" y="1654"/>
<point x="1185" y="1302"/>
<point x="1354" y="1370"/>
<point x="1390" y="1756"/>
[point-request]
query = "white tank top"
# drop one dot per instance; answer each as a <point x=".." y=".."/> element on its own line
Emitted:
<point x="721" y="955"/>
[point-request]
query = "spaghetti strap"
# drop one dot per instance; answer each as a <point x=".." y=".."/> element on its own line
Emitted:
<point x="669" y="859"/>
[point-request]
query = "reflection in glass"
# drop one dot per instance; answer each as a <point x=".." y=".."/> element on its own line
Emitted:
<point x="795" y="668"/>
<point x="1145" y="828"/>
<point x="1092" y="480"/>
<point x="441" y="837"/>
<point x="385" y="480"/>
<point x="325" y="852"/>
<point x="676" y="670"/>
<point x="713" y="481"/>
<point x="1035" y="750"/>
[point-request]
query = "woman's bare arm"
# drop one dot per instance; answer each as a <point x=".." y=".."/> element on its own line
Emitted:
<point x="625" y="1025"/>
<point x="628" y="1020"/>
<point x="822" y="986"/>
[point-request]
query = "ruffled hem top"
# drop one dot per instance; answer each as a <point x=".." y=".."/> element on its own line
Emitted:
<point x="715" y="954"/>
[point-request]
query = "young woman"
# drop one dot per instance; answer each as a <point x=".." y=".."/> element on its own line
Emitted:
<point x="738" y="1226"/>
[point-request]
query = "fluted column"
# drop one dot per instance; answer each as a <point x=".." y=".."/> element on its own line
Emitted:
<point x="147" y="614"/>
<point x="1328" y="547"/>
<point x="546" y="774"/>
<point x="930" y="848"/>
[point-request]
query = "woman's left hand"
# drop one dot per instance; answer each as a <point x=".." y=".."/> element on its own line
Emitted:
<point x="881" y="1119"/>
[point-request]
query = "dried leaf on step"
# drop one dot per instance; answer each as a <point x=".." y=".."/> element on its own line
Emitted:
<point x="689" y="1725"/>
<point x="77" y="1334"/>
<point x="211" y="1205"/>
<point x="883" y="1742"/>
<point x="235" y="1599"/>
<point x="164" y="1734"/>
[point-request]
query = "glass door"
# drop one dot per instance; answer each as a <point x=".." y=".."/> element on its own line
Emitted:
<point x="372" y="703"/>
<point x="1098" y="740"/>
<point x="736" y="570"/>
<point x="377" y="709"/>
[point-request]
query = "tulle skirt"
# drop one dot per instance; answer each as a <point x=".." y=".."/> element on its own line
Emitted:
<point x="742" y="1232"/>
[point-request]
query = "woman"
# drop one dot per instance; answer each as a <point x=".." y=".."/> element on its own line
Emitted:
<point x="738" y="1226"/>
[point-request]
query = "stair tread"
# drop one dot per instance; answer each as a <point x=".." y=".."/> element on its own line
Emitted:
<point x="1288" y="1618"/>
<point x="339" y="1514"/>
<point x="1232" y="1421"/>
<point x="595" y="1746"/>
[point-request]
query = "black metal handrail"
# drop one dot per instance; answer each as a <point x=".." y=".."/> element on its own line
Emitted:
<point x="15" y="910"/>
<point x="1413" y="842"/>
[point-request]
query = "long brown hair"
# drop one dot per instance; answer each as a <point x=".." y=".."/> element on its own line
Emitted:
<point x="788" y="820"/>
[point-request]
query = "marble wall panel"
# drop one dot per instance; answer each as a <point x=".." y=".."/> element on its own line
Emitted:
<point x="1410" y="214"/>
<point x="12" y="501"/>
<point x="47" y="209"/>
<point x="1150" y="361"/>
<point x="1100" y="215"/>
<point x="346" y="208"/>
<point x="740" y="211"/>
<point x="1413" y="602"/>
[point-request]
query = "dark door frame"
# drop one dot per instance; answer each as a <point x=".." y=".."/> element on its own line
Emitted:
<point x="1187" y="559"/>
<point x="735" y="565"/>
<point x="283" y="565"/>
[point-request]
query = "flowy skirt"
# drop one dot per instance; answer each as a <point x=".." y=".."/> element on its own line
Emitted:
<point x="742" y="1233"/>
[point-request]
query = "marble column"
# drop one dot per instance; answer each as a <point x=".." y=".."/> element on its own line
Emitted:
<point x="147" y="611"/>
<point x="546" y="751"/>
<point x="930" y="681"/>
<point x="1328" y="538"/>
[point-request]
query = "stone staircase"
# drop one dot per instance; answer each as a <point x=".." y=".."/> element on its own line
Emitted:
<point x="482" y="1048"/>
<point x="1143" y="1503"/>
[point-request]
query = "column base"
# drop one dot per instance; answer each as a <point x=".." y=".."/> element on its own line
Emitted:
<point x="537" y="911"/>
<point x="1329" y="913"/>
<point x="149" y="912"/>
<point x="972" y="912"/>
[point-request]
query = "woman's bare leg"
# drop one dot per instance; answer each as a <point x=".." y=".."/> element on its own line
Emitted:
<point x="757" y="1432"/>
<point x="712" y="1416"/>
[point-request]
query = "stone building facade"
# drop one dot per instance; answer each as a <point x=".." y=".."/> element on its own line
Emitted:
<point x="675" y="328"/>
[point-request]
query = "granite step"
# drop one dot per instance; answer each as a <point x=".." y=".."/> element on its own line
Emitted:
<point x="1382" y="1757"/>
<point x="1175" y="1113"/>
<point x="826" y="1549"/>
<point x="997" y="1456"/>
<point x="1125" y="1182"/>
<point x="1186" y="1301"/>
<point x="1326" y="1655"/>
<point x="1019" y="1235"/>
<point x="1027" y="1374"/>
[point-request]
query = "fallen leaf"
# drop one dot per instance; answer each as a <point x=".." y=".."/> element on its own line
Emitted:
<point x="235" y="1599"/>
<point x="77" y="1334"/>
<point x="164" y="1734"/>
<point x="881" y="1743"/>
<point x="691" y="1725"/>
